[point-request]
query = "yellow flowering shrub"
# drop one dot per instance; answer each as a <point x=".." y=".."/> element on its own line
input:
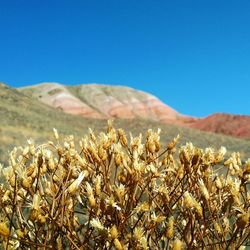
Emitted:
<point x="115" y="192"/>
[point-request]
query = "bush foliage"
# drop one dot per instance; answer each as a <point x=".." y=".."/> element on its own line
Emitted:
<point x="120" y="193"/>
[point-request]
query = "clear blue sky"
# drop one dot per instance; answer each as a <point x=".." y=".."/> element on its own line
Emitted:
<point x="193" y="54"/>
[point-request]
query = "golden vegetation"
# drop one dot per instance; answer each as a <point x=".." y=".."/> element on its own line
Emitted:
<point x="123" y="193"/>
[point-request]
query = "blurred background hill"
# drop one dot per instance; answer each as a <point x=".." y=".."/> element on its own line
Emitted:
<point x="33" y="112"/>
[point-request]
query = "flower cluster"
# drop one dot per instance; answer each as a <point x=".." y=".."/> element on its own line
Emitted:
<point x="115" y="192"/>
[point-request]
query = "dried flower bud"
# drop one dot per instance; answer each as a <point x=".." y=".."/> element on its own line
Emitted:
<point x="219" y="156"/>
<point x="203" y="189"/>
<point x="32" y="149"/>
<point x="56" y="133"/>
<point x="98" y="185"/>
<point x="96" y="224"/>
<point x="242" y="221"/>
<point x="26" y="151"/>
<point x="26" y="182"/>
<point x="4" y="229"/>
<point x="151" y="147"/>
<point x="114" y="232"/>
<point x="12" y="181"/>
<point x="110" y="125"/>
<point x="247" y="167"/>
<point x="170" y="228"/>
<point x="92" y="201"/>
<point x="217" y="228"/>
<point x="34" y="213"/>
<point x="178" y="244"/>
<point x="138" y="233"/>
<point x="21" y="233"/>
<point x="75" y="184"/>
<point x="102" y="153"/>
<point x="117" y="244"/>
<point x="188" y="200"/>
<point x="173" y="143"/>
<point x="218" y="183"/>
<point x="41" y="219"/>
<point x="118" y="159"/>
<point x="120" y="192"/>
<point x="6" y="198"/>
<point x="122" y="137"/>
<point x="51" y="164"/>
<point x="226" y="225"/>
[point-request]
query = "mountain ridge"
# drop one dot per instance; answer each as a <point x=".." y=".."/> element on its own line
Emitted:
<point x="23" y="117"/>
<point x="103" y="101"/>
<point x="228" y="124"/>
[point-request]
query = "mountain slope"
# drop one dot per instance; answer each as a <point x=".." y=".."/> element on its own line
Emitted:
<point x="105" y="101"/>
<point x="23" y="117"/>
<point x="235" y="125"/>
<point x="58" y="96"/>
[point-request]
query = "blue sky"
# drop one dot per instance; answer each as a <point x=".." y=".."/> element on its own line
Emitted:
<point x="193" y="54"/>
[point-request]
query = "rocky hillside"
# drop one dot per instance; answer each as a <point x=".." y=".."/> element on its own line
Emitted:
<point x="105" y="101"/>
<point x="23" y="117"/>
<point x="234" y="125"/>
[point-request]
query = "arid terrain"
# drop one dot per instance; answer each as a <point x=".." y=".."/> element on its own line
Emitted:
<point x="33" y="112"/>
<point x="106" y="101"/>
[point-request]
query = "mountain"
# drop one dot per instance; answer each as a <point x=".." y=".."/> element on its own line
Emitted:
<point x="106" y="101"/>
<point x="23" y="117"/>
<point x="234" y="125"/>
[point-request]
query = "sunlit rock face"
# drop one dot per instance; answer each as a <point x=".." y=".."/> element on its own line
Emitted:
<point x="58" y="96"/>
<point x="124" y="102"/>
<point x="103" y="101"/>
<point x="228" y="124"/>
<point x="107" y="101"/>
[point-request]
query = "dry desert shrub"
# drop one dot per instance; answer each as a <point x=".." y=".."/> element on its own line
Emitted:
<point x="120" y="193"/>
